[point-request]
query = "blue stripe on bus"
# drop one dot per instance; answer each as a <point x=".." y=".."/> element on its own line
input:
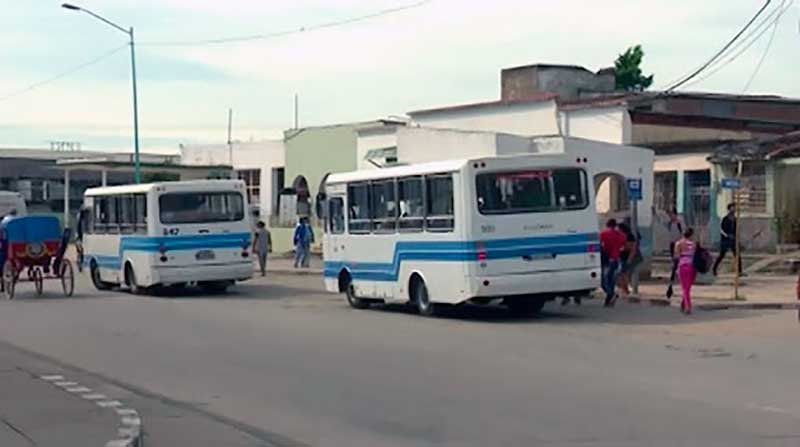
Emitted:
<point x="152" y="244"/>
<point x="461" y="251"/>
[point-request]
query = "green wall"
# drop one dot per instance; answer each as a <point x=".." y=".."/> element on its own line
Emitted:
<point x="316" y="151"/>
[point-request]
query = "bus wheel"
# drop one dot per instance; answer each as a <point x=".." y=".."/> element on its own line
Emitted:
<point x="99" y="284"/>
<point x="350" y="291"/>
<point x="524" y="306"/>
<point x="422" y="299"/>
<point x="130" y="280"/>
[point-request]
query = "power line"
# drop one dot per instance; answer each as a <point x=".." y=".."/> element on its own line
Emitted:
<point x="732" y="48"/>
<point x="265" y="36"/>
<point x="743" y="49"/>
<point x="763" y="56"/>
<point x="722" y="51"/>
<point x="64" y="74"/>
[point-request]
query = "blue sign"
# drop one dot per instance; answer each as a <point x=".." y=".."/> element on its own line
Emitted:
<point x="731" y="183"/>
<point x="634" y="188"/>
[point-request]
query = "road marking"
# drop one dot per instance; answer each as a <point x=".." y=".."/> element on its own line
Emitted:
<point x="51" y="378"/>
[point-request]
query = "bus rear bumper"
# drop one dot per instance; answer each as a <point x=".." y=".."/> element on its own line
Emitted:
<point x="218" y="272"/>
<point x="537" y="283"/>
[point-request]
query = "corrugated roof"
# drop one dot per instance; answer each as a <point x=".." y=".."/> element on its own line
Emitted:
<point x="766" y="148"/>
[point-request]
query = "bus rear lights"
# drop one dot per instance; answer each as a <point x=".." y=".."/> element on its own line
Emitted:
<point x="245" y="254"/>
<point x="162" y="249"/>
<point x="481" y="256"/>
<point x="485" y="283"/>
<point x="594" y="274"/>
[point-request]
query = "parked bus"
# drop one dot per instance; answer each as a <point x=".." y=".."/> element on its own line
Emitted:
<point x="521" y="228"/>
<point x="172" y="233"/>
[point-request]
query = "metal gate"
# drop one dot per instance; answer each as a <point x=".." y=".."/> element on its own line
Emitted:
<point x="698" y="204"/>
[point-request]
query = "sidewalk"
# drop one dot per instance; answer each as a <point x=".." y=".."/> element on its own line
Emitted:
<point x="36" y="412"/>
<point x="755" y="292"/>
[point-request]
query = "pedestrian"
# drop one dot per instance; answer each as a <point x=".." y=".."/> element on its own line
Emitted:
<point x="611" y="243"/>
<point x="630" y="258"/>
<point x="674" y="228"/>
<point x="262" y="246"/>
<point x="685" y="253"/>
<point x="727" y="239"/>
<point x="303" y="238"/>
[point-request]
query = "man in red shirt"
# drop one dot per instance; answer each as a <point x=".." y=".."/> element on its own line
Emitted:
<point x="612" y="241"/>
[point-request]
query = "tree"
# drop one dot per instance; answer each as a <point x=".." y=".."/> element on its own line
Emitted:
<point x="628" y="72"/>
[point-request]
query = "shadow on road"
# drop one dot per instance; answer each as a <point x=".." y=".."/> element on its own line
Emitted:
<point x="591" y="312"/>
<point x="266" y="292"/>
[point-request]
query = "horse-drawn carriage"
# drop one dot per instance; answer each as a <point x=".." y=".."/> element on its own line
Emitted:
<point x="32" y="249"/>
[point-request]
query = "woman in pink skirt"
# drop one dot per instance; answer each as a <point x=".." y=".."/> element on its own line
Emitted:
<point x="684" y="253"/>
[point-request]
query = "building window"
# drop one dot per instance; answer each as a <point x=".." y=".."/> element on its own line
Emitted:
<point x="753" y="193"/>
<point x="665" y="191"/>
<point x="252" y="179"/>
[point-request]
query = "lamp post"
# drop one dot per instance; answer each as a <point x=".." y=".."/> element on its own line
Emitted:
<point x="136" y="173"/>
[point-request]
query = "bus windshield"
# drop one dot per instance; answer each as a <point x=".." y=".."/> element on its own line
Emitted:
<point x="201" y="207"/>
<point x="531" y="191"/>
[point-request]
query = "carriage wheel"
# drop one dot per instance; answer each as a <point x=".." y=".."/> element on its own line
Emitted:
<point x="38" y="280"/>
<point x="9" y="280"/>
<point x="67" y="277"/>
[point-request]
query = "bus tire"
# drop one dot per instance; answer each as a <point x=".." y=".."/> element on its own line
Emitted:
<point x="350" y="292"/>
<point x="525" y="306"/>
<point x="421" y="298"/>
<point x="94" y="272"/>
<point x="130" y="280"/>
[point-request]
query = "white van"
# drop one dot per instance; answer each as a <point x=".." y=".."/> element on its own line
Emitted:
<point x="171" y="233"/>
<point x="12" y="201"/>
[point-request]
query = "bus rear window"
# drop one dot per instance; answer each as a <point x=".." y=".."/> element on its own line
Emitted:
<point x="531" y="191"/>
<point x="201" y="207"/>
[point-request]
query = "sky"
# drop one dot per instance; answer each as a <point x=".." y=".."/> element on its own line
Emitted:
<point x="439" y="53"/>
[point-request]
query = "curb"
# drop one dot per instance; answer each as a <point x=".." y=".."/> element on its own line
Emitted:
<point x="129" y="432"/>
<point x="720" y="306"/>
<point x="299" y="272"/>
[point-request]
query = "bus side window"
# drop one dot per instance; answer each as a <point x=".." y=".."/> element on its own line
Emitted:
<point x="336" y="215"/>
<point x="126" y="214"/>
<point x="100" y="218"/>
<point x="440" y="215"/>
<point x="384" y="206"/>
<point x="140" y="213"/>
<point x="412" y="209"/>
<point x="358" y="201"/>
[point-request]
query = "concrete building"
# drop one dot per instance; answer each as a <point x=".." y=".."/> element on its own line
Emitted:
<point x="259" y="163"/>
<point x="565" y="81"/>
<point x="770" y="192"/>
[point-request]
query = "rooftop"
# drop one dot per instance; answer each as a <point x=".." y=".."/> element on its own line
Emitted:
<point x="532" y="99"/>
<point x="766" y="148"/>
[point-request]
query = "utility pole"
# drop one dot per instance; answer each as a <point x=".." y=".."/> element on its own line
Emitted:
<point x="736" y="250"/>
<point x="137" y="168"/>
<point x="296" y="112"/>
<point x="230" y="141"/>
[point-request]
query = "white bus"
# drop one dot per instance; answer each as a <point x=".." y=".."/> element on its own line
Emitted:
<point x="521" y="228"/>
<point x="172" y="233"/>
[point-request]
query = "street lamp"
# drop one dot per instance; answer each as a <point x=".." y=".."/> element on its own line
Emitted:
<point x="136" y="173"/>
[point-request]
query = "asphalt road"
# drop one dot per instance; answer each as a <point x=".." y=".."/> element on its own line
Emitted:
<point x="291" y="365"/>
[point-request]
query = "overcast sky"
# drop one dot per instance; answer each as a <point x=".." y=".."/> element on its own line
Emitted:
<point x="442" y="52"/>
